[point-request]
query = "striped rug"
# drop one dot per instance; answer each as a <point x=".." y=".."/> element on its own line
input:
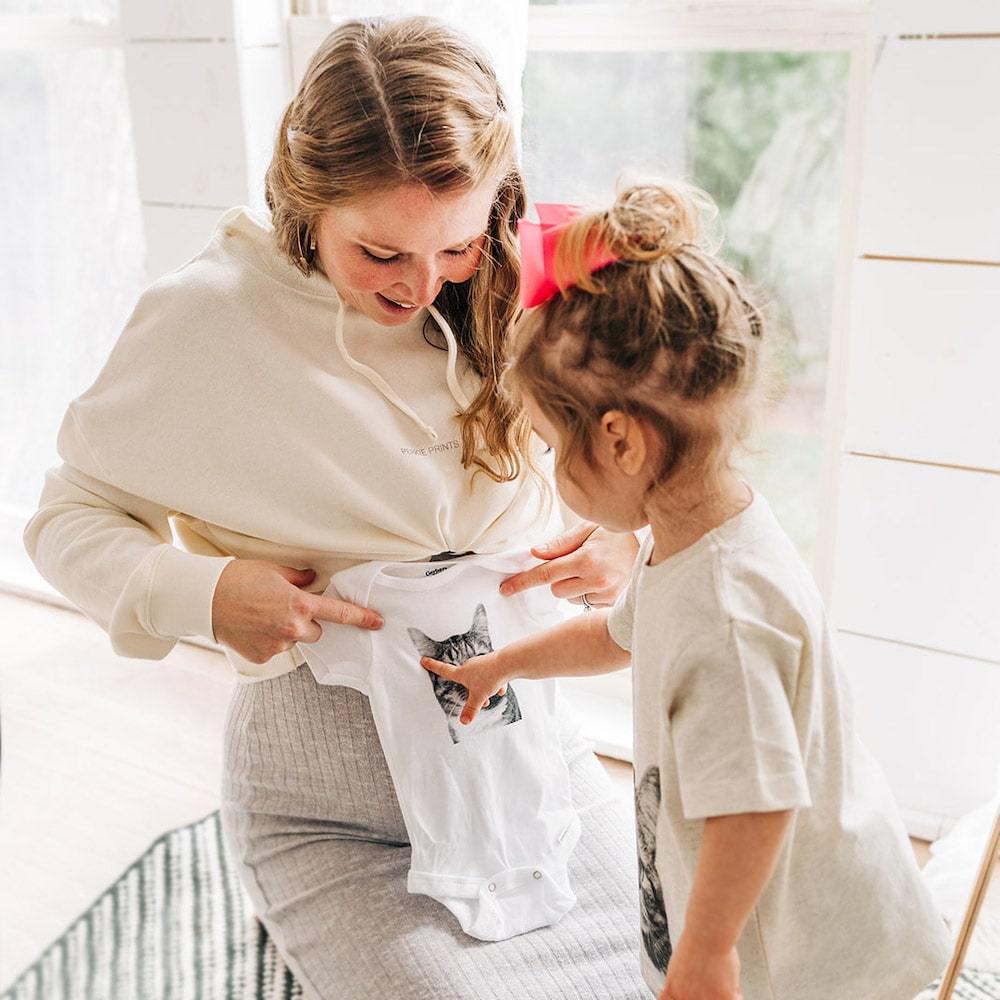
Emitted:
<point x="177" y="926"/>
<point x="971" y="985"/>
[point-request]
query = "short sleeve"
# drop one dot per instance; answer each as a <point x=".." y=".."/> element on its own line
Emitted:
<point x="623" y="610"/>
<point x="342" y="655"/>
<point x="731" y="723"/>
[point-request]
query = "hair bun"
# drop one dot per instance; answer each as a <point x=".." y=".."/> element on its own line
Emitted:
<point x="652" y="220"/>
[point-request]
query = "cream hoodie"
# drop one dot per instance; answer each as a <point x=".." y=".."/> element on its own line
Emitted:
<point x="246" y="409"/>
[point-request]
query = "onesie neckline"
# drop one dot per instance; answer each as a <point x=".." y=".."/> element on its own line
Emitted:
<point x="512" y="562"/>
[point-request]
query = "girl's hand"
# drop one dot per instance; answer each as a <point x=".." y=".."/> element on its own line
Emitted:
<point x="482" y="676"/>
<point x="586" y="559"/>
<point x="702" y="975"/>
<point x="260" y="610"/>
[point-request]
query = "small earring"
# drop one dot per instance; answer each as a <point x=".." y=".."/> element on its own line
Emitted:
<point x="312" y="244"/>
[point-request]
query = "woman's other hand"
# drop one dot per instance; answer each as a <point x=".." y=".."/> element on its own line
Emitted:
<point x="260" y="609"/>
<point x="482" y="677"/>
<point x="585" y="559"/>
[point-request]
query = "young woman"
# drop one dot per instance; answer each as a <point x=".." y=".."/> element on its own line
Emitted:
<point x="311" y="391"/>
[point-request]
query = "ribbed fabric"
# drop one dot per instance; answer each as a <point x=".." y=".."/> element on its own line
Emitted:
<point x="313" y="826"/>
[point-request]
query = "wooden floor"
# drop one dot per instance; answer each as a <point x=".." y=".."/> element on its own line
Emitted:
<point x="101" y="755"/>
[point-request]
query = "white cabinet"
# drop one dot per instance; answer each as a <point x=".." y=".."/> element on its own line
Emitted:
<point x="924" y="380"/>
<point x="930" y="719"/>
<point x="207" y="86"/>
<point x="916" y="568"/>
<point x="187" y="123"/>
<point x="918" y="556"/>
<point x="932" y="154"/>
<point x="923" y="17"/>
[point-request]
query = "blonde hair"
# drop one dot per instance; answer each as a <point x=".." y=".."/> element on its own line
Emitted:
<point x="391" y="102"/>
<point x="666" y="334"/>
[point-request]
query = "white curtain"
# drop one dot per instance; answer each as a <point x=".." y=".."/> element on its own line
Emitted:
<point x="71" y="254"/>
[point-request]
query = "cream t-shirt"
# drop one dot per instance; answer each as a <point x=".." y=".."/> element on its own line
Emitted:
<point x="740" y="707"/>
<point x="242" y="414"/>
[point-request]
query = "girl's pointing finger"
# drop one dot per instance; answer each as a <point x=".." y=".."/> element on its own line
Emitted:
<point x="437" y="667"/>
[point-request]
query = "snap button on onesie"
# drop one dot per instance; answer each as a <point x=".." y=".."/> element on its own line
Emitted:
<point x="487" y="806"/>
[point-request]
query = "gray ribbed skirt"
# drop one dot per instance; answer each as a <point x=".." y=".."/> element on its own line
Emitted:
<point x="313" y="826"/>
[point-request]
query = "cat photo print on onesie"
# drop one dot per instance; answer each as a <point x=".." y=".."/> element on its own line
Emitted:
<point x="501" y="710"/>
<point x="487" y="806"/>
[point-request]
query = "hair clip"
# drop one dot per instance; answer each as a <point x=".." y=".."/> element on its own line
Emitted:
<point x="539" y="241"/>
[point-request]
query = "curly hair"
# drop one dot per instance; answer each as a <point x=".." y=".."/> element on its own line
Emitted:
<point x="666" y="333"/>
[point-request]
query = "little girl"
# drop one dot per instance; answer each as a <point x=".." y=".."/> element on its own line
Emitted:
<point x="772" y="862"/>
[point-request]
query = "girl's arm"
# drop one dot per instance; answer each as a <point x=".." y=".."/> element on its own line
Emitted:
<point x="737" y="857"/>
<point x="578" y="646"/>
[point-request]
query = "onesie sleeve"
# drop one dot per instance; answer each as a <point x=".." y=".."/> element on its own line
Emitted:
<point x="728" y="701"/>
<point x="111" y="554"/>
<point x="343" y="654"/>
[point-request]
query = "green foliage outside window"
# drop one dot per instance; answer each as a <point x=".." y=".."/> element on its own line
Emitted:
<point x="765" y="140"/>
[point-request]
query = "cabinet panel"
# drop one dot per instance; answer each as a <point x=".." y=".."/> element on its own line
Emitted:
<point x="924" y="357"/>
<point x="930" y="720"/>
<point x="932" y="152"/>
<point x="918" y="555"/>
<point x="912" y="17"/>
<point x="187" y="123"/>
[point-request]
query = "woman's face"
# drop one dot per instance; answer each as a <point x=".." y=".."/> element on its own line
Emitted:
<point x="389" y="255"/>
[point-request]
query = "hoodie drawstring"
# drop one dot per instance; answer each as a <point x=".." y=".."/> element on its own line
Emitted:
<point x="457" y="392"/>
<point x="383" y="387"/>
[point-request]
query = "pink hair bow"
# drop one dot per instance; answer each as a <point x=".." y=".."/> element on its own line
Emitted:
<point x="538" y="251"/>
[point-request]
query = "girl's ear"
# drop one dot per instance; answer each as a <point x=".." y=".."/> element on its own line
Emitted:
<point x="626" y="442"/>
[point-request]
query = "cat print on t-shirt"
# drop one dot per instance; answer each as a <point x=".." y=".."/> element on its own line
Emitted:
<point x="501" y="710"/>
<point x="652" y="912"/>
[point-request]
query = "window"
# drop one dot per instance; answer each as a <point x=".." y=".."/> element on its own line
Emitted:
<point x="71" y="251"/>
<point x="754" y="109"/>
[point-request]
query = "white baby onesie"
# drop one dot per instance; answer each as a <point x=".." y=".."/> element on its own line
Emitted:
<point x="487" y="806"/>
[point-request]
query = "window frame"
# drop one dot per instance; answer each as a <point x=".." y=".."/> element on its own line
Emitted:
<point x="716" y="25"/>
<point x="733" y="26"/>
<point x="55" y="32"/>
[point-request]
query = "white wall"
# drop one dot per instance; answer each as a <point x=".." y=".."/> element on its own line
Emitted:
<point x="207" y="85"/>
<point x="917" y="560"/>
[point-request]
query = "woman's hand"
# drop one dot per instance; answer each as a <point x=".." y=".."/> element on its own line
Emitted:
<point x="693" y="974"/>
<point x="259" y="609"/>
<point x="481" y="676"/>
<point x="584" y="560"/>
